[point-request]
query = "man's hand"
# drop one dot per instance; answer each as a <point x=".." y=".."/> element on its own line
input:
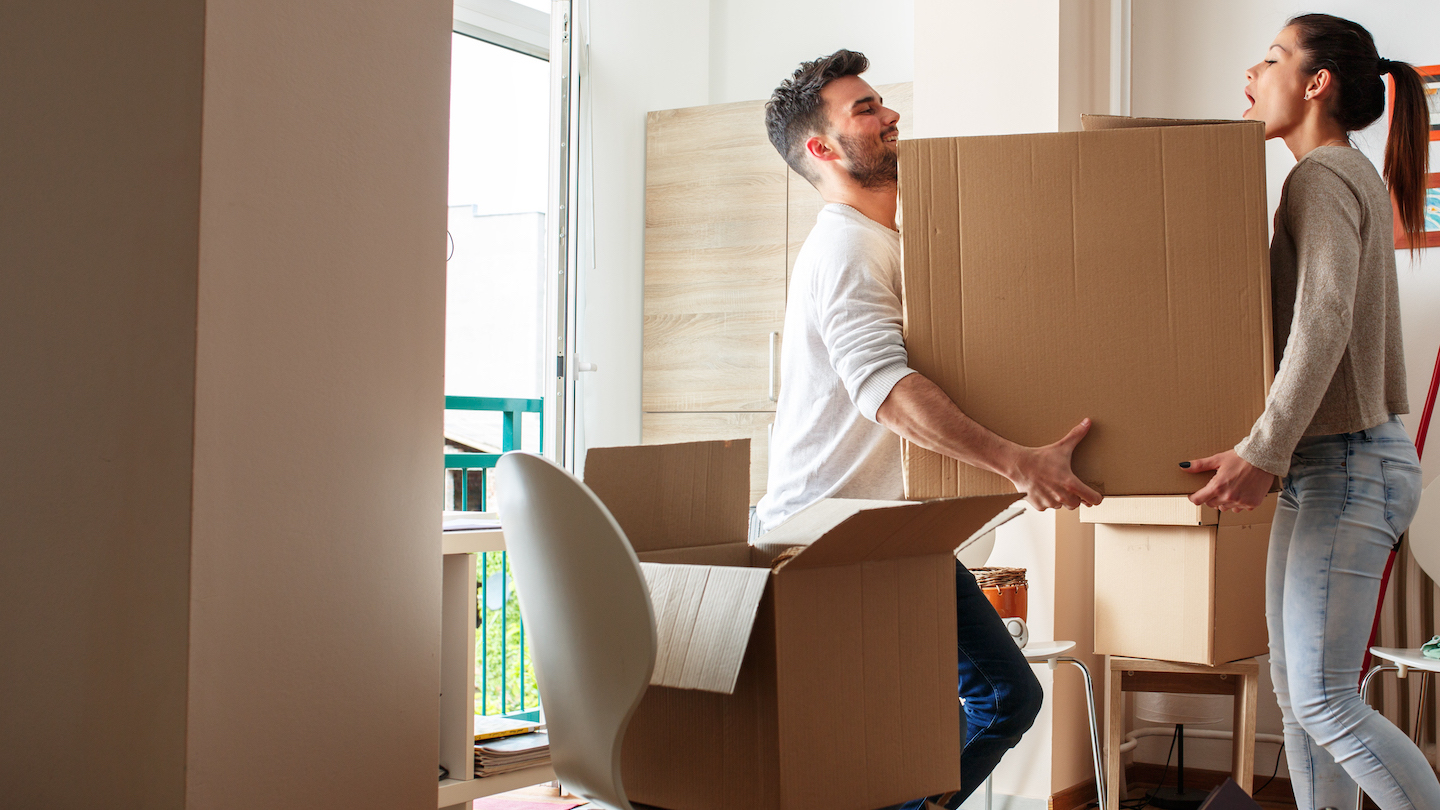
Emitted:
<point x="1238" y="485"/>
<point x="1044" y="474"/>
<point x="918" y="410"/>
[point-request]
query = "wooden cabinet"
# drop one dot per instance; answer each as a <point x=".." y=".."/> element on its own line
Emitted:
<point x="714" y="259"/>
<point x="724" y="218"/>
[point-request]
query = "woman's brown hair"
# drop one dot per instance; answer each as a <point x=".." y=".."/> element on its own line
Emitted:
<point x="1348" y="51"/>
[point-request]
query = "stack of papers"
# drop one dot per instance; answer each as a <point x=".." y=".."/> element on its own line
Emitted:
<point x="469" y="521"/>
<point x="506" y="754"/>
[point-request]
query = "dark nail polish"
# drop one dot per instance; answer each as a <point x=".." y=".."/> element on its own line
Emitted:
<point x="1185" y="465"/>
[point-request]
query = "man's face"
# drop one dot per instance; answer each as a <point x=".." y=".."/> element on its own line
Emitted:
<point x="863" y="131"/>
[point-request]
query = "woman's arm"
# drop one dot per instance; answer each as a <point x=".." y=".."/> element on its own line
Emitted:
<point x="1323" y="216"/>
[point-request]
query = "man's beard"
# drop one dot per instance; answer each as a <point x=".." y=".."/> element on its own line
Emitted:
<point x="872" y="164"/>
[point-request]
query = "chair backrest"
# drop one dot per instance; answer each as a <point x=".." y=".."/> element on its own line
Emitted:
<point x="587" y="610"/>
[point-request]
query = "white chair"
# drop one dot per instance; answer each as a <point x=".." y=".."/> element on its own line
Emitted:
<point x="1051" y="653"/>
<point x="587" y="608"/>
<point x="1424" y="543"/>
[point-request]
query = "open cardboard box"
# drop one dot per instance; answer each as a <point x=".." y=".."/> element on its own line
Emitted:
<point x="1179" y="582"/>
<point x="1120" y="273"/>
<point x="824" y="680"/>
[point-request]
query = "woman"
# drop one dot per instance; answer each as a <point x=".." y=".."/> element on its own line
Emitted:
<point x="1350" y="475"/>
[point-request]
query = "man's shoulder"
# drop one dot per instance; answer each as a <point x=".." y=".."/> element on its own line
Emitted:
<point x="840" y="239"/>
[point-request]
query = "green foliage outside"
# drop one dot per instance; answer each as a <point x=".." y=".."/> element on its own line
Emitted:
<point x="501" y="646"/>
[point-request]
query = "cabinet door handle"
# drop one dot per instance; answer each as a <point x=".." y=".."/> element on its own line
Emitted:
<point x="774" y="343"/>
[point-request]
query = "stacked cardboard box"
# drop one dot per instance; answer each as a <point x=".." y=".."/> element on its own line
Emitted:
<point x="816" y="668"/>
<point x="1122" y="274"/>
<point x="1179" y="582"/>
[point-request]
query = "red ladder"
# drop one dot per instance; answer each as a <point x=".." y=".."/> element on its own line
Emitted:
<point x="1390" y="563"/>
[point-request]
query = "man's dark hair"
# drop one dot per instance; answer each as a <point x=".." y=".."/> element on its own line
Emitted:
<point x="795" y="110"/>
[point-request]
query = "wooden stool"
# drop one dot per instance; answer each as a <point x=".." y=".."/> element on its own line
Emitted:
<point x="1240" y="678"/>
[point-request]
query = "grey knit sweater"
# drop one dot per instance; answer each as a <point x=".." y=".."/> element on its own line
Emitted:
<point x="1336" y="308"/>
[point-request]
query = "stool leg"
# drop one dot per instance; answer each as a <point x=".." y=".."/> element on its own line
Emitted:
<point x="1416" y="732"/>
<point x="1365" y="697"/>
<point x="1242" y="752"/>
<point x="989" y="795"/>
<point x="1114" y="731"/>
<point x="1096" y="756"/>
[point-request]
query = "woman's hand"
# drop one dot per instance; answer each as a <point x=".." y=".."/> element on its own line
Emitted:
<point x="1238" y="485"/>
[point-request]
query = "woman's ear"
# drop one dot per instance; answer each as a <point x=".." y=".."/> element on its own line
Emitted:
<point x="1320" y="84"/>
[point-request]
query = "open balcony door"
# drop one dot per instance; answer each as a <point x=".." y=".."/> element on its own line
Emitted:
<point x="569" y="240"/>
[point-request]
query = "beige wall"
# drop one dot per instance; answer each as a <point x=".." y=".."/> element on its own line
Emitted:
<point x="99" y="201"/>
<point x="316" y="571"/>
<point x="222" y="292"/>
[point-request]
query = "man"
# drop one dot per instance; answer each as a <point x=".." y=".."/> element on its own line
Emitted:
<point x="848" y="395"/>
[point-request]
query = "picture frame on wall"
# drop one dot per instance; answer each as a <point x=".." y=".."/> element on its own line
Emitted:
<point x="1430" y="76"/>
<point x="1432" y="217"/>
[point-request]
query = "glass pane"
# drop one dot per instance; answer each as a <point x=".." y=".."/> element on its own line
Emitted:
<point x="495" y="293"/>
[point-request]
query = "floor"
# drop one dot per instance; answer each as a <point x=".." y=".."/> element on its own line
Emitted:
<point x="1271" y="799"/>
<point x="1279" y="801"/>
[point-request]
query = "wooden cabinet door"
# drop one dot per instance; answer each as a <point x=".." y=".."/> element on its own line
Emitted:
<point x="668" y="428"/>
<point x="715" y="192"/>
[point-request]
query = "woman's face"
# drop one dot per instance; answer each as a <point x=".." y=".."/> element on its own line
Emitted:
<point x="1276" y="87"/>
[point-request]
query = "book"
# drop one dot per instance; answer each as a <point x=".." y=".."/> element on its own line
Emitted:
<point x="493" y="727"/>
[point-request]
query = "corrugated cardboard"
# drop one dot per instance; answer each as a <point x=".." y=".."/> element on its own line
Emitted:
<point x="1120" y="273"/>
<point x="828" y="681"/>
<point x="1171" y="510"/>
<point x="1194" y="594"/>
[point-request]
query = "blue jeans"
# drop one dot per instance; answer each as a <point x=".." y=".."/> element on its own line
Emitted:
<point x="1002" y="695"/>
<point x="1343" y="507"/>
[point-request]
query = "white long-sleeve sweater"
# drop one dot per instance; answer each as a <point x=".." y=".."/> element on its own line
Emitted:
<point x="843" y="352"/>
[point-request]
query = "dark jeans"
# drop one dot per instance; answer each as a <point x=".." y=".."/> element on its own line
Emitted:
<point x="1002" y="695"/>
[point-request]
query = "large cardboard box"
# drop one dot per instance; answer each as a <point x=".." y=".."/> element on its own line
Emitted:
<point x="814" y="669"/>
<point x="1179" y="582"/>
<point x="1120" y="273"/>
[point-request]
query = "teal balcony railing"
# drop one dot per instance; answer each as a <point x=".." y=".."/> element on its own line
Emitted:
<point x="474" y="468"/>
<point x="505" y="673"/>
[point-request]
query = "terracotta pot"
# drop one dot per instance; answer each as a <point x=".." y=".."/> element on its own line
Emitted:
<point x="1010" y="600"/>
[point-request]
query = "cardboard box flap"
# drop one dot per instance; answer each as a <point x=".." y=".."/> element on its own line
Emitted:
<point x="703" y="618"/>
<point x="1172" y="510"/>
<point x="841" y="532"/>
<point x="1094" y="123"/>
<point x="674" y="495"/>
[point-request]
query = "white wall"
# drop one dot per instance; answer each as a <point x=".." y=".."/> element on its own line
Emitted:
<point x="661" y="54"/>
<point x="754" y="44"/>
<point x="987" y="68"/>
<point x="1189" y="62"/>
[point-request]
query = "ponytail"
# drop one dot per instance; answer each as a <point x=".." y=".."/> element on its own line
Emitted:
<point x="1407" y="149"/>
<point x="1347" y="50"/>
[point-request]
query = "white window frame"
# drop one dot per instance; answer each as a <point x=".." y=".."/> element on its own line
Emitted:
<point x="520" y="28"/>
<point x="505" y="23"/>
